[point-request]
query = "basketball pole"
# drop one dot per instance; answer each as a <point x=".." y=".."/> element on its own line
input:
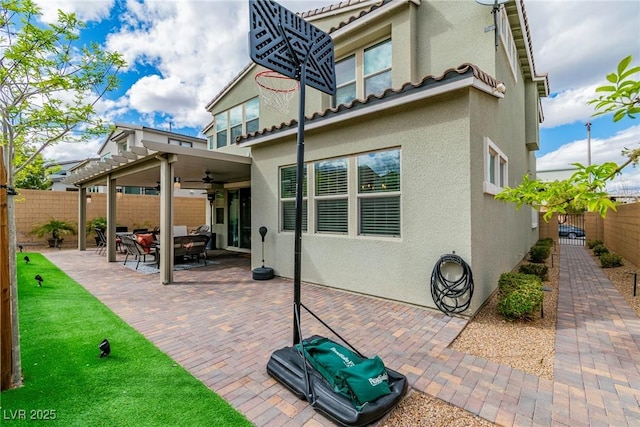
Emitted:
<point x="297" y="260"/>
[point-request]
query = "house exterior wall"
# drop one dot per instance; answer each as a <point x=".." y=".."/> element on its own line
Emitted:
<point x="436" y="218"/>
<point x="501" y="235"/>
<point x="451" y="33"/>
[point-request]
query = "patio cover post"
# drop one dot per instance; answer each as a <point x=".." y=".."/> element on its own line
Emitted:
<point x="166" y="217"/>
<point x="111" y="219"/>
<point x="82" y="219"/>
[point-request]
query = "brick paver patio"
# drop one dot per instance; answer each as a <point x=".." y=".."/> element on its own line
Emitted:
<point x="222" y="326"/>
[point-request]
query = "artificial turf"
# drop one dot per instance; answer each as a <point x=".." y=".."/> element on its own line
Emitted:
<point x="65" y="381"/>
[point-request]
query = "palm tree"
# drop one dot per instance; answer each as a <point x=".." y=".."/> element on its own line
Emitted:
<point x="57" y="228"/>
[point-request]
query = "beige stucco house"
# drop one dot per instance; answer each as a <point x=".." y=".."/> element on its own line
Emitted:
<point x="432" y="117"/>
<point x="430" y="121"/>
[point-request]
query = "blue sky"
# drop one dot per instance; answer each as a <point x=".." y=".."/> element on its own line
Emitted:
<point x="182" y="53"/>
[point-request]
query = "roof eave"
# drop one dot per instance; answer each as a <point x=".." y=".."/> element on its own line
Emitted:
<point x="335" y="116"/>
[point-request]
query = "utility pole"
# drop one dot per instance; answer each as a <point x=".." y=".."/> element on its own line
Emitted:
<point x="588" y="125"/>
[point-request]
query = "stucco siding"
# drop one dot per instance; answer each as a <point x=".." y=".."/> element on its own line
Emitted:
<point x="449" y="33"/>
<point x="435" y="203"/>
<point x="501" y="235"/>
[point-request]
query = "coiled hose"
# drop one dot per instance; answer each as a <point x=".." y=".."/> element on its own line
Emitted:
<point x="451" y="295"/>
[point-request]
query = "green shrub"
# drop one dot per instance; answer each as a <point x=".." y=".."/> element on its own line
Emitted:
<point x="599" y="250"/>
<point x="539" y="253"/>
<point x="519" y="295"/>
<point x="540" y="270"/>
<point x="547" y="241"/>
<point x="610" y="260"/>
<point x="593" y="243"/>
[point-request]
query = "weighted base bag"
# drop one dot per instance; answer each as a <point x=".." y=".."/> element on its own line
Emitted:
<point x="287" y="367"/>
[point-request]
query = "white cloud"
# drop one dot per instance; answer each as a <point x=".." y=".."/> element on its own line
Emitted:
<point x="85" y="10"/>
<point x="197" y="47"/>
<point x="579" y="42"/>
<point x="569" y="106"/>
<point x="64" y="151"/>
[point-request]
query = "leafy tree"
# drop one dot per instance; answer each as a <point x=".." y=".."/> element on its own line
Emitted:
<point x="34" y="174"/>
<point x="49" y="85"/>
<point x="586" y="188"/>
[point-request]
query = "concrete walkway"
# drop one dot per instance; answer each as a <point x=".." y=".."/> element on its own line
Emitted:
<point x="222" y="326"/>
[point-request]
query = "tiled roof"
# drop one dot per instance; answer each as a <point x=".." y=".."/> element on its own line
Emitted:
<point x="451" y="74"/>
<point x="343" y="5"/>
<point x="331" y="8"/>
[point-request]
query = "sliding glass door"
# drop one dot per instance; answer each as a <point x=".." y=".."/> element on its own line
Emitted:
<point x="239" y="224"/>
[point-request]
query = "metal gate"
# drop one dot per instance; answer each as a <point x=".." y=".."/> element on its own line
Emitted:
<point x="571" y="229"/>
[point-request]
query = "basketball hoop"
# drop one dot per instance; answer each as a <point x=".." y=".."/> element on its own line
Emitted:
<point x="276" y="90"/>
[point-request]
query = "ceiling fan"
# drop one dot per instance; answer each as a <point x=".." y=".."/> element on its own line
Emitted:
<point x="207" y="179"/>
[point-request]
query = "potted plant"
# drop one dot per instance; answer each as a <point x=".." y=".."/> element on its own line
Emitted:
<point x="98" y="223"/>
<point x="57" y="229"/>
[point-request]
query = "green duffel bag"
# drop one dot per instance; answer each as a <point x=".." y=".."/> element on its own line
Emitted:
<point x="360" y="380"/>
<point x="328" y="358"/>
<point x="367" y="381"/>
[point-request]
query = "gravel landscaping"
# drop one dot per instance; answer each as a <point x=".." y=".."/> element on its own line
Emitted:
<point x="527" y="346"/>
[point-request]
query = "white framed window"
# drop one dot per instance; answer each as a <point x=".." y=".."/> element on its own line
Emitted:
<point x="357" y="195"/>
<point x="379" y="193"/>
<point x="252" y="115"/>
<point x="221" y="130"/>
<point x="236" y="121"/>
<point x="331" y="196"/>
<point x="288" y="199"/>
<point x="495" y="168"/>
<point x="365" y="72"/>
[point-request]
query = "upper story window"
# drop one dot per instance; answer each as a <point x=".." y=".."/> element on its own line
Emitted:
<point x="239" y="120"/>
<point x="123" y="147"/>
<point x="366" y="72"/>
<point x="495" y="168"/>
<point x="181" y="143"/>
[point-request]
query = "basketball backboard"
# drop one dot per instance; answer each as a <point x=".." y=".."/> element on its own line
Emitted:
<point x="282" y="41"/>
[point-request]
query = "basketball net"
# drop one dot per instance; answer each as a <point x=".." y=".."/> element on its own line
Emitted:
<point x="276" y="90"/>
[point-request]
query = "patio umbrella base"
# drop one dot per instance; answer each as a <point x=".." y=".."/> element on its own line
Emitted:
<point x="286" y="366"/>
<point x="262" y="273"/>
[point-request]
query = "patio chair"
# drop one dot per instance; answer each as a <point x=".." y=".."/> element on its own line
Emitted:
<point x="197" y="246"/>
<point x="136" y="250"/>
<point x="200" y="230"/>
<point x="193" y="246"/>
<point x="102" y="242"/>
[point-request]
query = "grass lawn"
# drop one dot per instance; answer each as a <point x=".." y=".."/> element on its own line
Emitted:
<point x="61" y="325"/>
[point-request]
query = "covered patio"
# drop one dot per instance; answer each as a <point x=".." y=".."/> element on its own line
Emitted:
<point x="150" y="165"/>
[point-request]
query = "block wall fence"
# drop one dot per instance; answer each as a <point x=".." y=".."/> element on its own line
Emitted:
<point x="620" y="230"/>
<point x="33" y="207"/>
